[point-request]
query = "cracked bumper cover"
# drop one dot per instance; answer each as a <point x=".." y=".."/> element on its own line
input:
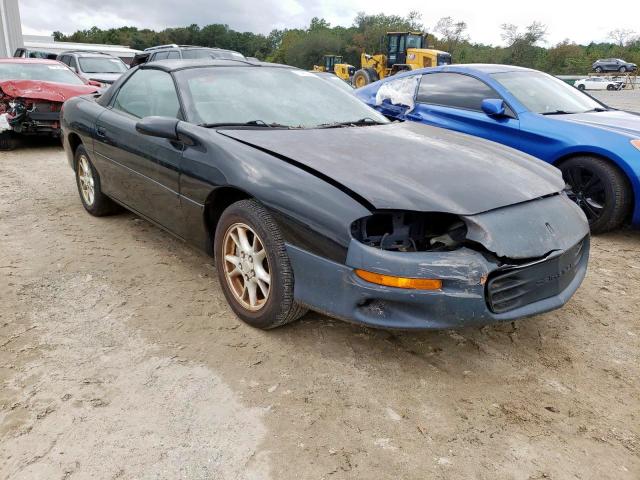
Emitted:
<point x="334" y="289"/>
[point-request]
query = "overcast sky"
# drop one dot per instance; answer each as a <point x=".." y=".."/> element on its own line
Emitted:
<point x="564" y="19"/>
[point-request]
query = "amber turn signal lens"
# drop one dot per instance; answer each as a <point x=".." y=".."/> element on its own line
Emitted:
<point x="636" y="143"/>
<point x="400" y="282"/>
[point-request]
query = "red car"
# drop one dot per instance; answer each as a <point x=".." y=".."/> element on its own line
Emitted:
<point x="32" y="92"/>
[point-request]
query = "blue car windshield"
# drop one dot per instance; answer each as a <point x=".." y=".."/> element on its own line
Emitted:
<point x="542" y="93"/>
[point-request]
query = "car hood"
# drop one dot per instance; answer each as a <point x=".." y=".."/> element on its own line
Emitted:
<point x="410" y="166"/>
<point x="617" y="121"/>
<point x="103" y="77"/>
<point x="39" y="90"/>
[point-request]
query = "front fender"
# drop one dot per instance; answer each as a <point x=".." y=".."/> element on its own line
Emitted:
<point x="312" y="214"/>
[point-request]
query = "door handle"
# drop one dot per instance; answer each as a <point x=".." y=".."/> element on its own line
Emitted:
<point x="101" y="132"/>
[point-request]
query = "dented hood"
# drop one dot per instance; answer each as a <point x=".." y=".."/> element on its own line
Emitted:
<point x="39" y="90"/>
<point x="410" y="166"/>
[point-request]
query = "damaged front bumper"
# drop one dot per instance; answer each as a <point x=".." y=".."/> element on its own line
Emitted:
<point x="479" y="286"/>
<point x="30" y="118"/>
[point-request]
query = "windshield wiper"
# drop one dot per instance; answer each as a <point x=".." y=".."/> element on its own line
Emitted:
<point x="558" y="112"/>
<point x="597" y="109"/>
<point x="252" y="123"/>
<point x="354" y="123"/>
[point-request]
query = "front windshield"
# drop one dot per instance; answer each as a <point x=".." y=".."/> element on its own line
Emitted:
<point x="269" y="95"/>
<point x="57" y="73"/>
<point x="414" y="41"/>
<point x="542" y="93"/>
<point x="102" y="65"/>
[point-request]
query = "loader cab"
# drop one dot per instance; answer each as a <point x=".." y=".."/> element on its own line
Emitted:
<point x="330" y="62"/>
<point x="399" y="42"/>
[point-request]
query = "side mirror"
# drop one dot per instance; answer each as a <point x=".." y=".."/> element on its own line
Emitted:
<point x="161" y="127"/>
<point x="494" y="107"/>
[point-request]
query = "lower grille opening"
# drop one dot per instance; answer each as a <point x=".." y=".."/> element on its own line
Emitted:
<point x="515" y="287"/>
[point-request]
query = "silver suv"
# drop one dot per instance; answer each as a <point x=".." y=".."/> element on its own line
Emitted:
<point x="184" y="52"/>
<point x="96" y="66"/>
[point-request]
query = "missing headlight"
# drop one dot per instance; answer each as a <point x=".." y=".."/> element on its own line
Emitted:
<point x="410" y="231"/>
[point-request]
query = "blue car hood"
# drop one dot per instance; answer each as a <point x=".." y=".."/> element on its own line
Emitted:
<point x="616" y="121"/>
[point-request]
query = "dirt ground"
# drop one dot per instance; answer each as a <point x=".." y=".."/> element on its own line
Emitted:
<point x="119" y="358"/>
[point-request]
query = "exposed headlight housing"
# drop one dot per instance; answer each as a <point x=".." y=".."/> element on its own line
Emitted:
<point x="410" y="231"/>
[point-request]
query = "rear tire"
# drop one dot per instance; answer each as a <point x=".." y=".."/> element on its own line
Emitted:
<point x="88" y="181"/>
<point x="600" y="189"/>
<point x="622" y="69"/>
<point x="598" y="70"/>
<point x="249" y="250"/>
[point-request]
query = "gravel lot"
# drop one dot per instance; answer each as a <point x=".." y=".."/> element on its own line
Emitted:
<point x="119" y="358"/>
<point x="624" y="100"/>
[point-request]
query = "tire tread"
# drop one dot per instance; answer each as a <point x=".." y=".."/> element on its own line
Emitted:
<point x="289" y="310"/>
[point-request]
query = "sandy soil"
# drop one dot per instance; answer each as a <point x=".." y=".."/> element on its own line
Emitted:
<point x="119" y="358"/>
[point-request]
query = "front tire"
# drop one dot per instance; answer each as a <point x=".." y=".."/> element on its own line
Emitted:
<point x="364" y="77"/>
<point x="600" y="189"/>
<point x="88" y="181"/>
<point x="253" y="267"/>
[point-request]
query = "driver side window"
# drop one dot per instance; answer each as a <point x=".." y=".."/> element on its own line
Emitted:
<point x="148" y="93"/>
<point x="454" y="90"/>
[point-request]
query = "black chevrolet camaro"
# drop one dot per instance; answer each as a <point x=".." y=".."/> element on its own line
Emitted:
<point x="309" y="199"/>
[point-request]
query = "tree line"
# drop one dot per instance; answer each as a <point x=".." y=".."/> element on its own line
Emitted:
<point x="304" y="47"/>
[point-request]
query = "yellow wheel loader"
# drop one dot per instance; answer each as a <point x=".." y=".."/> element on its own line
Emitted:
<point x="404" y="51"/>
<point x="333" y="64"/>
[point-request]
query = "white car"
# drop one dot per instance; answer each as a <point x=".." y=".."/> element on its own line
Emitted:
<point x="597" y="83"/>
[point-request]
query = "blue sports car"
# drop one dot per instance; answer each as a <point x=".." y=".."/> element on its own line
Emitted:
<point x="596" y="147"/>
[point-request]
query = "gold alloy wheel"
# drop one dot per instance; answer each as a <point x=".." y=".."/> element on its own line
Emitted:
<point x="85" y="177"/>
<point x="246" y="266"/>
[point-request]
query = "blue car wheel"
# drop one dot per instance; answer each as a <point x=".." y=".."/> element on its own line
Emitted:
<point x="600" y="189"/>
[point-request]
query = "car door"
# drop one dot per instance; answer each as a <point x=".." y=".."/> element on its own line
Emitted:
<point x="141" y="171"/>
<point x="453" y="101"/>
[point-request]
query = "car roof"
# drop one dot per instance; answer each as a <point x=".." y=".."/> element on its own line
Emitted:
<point x="470" y="68"/>
<point x="186" y="47"/>
<point x="175" y="65"/>
<point x="45" y="61"/>
<point x="85" y="53"/>
<point x="488" y="68"/>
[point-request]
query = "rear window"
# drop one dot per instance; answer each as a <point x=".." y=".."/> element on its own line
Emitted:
<point x="206" y="53"/>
